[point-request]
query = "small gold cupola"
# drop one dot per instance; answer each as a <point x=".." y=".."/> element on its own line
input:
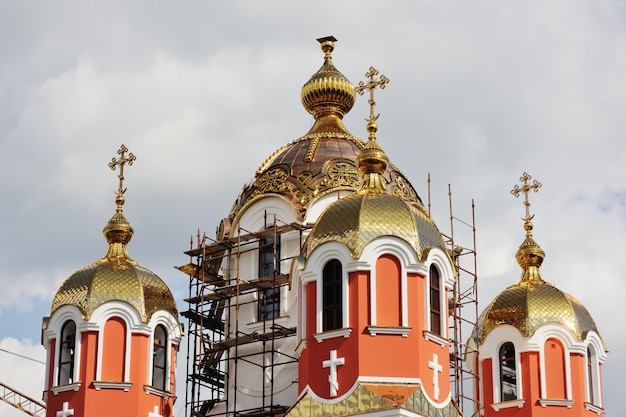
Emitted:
<point x="531" y="302"/>
<point x="116" y="277"/>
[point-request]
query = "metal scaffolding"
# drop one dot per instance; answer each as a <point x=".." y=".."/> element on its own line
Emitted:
<point x="213" y="350"/>
<point x="463" y="307"/>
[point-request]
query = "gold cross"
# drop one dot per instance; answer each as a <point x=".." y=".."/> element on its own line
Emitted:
<point x="525" y="178"/>
<point x="371" y="85"/>
<point x="121" y="162"/>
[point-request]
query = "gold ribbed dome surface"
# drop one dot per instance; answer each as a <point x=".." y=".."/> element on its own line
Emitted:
<point x="529" y="305"/>
<point x="358" y="219"/>
<point x="322" y="161"/>
<point x="112" y="280"/>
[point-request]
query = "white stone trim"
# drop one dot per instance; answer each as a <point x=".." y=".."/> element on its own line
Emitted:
<point x="314" y="273"/>
<point x="330" y="334"/>
<point x="55" y="325"/>
<point x="544" y="402"/>
<point x="430" y="336"/>
<point x="149" y="389"/>
<point x="490" y="349"/>
<point x="594" y="408"/>
<point x="441" y="260"/>
<point x="508" y="404"/>
<point x="63" y="388"/>
<point x="390" y="330"/>
<point x="98" y="385"/>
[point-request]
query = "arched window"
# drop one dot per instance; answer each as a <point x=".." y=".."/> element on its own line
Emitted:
<point x="508" y="373"/>
<point x="67" y="347"/>
<point x="269" y="265"/>
<point x="435" y="300"/>
<point x="159" y="360"/>
<point x="593" y="374"/>
<point x="332" y="296"/>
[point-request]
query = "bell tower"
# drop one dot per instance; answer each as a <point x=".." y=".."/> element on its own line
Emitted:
<point x="113" y="332"/>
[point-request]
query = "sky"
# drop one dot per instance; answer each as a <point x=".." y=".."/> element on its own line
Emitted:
<point x="203" y="92"/>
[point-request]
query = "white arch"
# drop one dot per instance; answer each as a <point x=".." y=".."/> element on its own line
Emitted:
<point x="174" y="334"/>
<point x="259" y="214"/>
<point x="133" y="323"/>
<point x="61" y="316"/>
<point x="490" y="349"/>
<point x="441" y="260"/>
<point x="314" y="271"/>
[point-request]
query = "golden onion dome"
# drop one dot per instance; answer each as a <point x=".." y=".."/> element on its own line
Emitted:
<point x="116" y="277"/>
<point x="531" y="302"/>
<point x="373" y="211"/>
<point x="323" y="160"/>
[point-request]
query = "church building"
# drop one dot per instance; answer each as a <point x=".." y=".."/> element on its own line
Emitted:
<point x="327" y="291"/>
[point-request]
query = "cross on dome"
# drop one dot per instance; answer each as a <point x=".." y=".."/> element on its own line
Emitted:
<point x="121" y="162"/>
<point x="525" y="188"/>
<point x="437" y="369"/>
<point x="371" y="85"/>
<point x="333" y="363"/>
<point x="66" y="411"/>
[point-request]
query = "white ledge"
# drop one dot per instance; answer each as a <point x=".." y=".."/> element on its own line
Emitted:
<point x="508" y="404"/>
<point x="435" y="338"/>
<point x="345" y="332"/>
<point x="558" y="402"/>
<point x="266" y="325"/>
<point x="595" y="408"/>
<point x="63" y="388"/>
<point x="155" y="391"/>
<point x="403" y="331"/>
<point x="98" y="385"/>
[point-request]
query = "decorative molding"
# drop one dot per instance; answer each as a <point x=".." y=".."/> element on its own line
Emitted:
<point x="258" y="326"/>
<point x="68" y="387"/>
<point x="508" y="404"/>
<point x="345" y="332"/>
<point x="395" y="330"/>
<point x="155" y="391"/>
<point x="595" y="408"/>
<point x="549" y="401"/>
<point x="442" y="341"/>
<point x="98" y="385"/>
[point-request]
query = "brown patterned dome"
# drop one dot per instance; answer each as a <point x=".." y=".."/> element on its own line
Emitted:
<point x="322" y="161"/>
<point x="116" y="277"/>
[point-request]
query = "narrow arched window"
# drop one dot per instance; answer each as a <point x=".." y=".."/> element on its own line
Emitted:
<point x="435" y="300"/>
<point x="332" y="310"/>
<point x="269" y="266"/>
<point x="67" y="348"/>
<point x="508" y="373"/>
<point x="593" y="396"/>
<point x="159" y="361"/>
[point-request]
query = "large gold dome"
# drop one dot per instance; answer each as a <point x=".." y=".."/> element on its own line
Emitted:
<point x="322" y="161"/>
<point x="115" y="277"/>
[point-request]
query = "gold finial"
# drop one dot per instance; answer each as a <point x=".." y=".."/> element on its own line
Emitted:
<point x="121" y="162"/>
<point x="328" y="45"/>
<point x="525" y="188"/>
<point x="371" y="85"/>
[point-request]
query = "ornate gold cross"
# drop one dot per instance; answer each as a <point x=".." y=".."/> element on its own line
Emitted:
<point x="371" y="85"/>
<point x="525" y="188"/>
<point x="121" y="162"/>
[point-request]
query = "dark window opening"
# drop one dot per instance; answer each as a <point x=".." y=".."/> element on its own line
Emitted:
<point x="435" y="300"/>
<point x="508" y="374"/>
<point x="159" y="360"/>
<point x="66" y="353"/>
<point x="269" y="265"/>
<point x="332" y="310"/>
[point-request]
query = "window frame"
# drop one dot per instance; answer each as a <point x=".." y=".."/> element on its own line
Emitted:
<point x="269" y="299"/>
<point x="67" y="354"/>
<point x="332" y="295"/>
<point x="434" y="298"/>
<point x="160" y="355"/>
<point x="505" y="363"/>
